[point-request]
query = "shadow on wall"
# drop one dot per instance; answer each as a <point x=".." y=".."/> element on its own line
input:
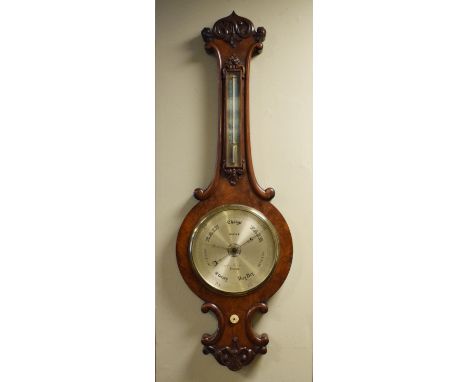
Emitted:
<point x="209" y="103"/>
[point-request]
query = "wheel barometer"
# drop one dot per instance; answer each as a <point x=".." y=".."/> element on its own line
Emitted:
<point x="234" y="248"/>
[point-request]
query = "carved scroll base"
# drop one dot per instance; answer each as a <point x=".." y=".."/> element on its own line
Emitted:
<point x="235" y="356"/>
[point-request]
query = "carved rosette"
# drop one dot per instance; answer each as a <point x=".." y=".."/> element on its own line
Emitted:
<point x="233" y="29"/>
<point x="233" y="63"/>
<point x="233" y="174"/>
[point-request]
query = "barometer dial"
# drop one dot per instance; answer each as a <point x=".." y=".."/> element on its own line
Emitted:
<point x="234" y="249"/>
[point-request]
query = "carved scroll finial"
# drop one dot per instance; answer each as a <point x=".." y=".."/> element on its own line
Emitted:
<point x="233" y="29"/>
<point x="260" y="34"/>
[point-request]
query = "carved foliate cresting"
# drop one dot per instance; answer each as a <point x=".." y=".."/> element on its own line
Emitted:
<point x="233" y="29"/>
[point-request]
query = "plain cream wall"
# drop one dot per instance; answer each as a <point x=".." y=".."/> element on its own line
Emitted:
<point x="281" y="124"/>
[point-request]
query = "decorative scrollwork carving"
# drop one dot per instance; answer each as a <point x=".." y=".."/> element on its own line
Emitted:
<point x="262" y="340"/>
<point x="233" y="62"/>
<point x="234" y="357"/>
<point x="233" y="173"/>
<point x="260" y="34"/>
<point x="210" y="339"/>
<point x="233" y="29"/>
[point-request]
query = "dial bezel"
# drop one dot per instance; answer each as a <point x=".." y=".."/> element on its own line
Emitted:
<point x="260" y="216"/>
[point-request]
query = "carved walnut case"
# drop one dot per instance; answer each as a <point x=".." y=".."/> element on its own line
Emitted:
<point x="233" y="41"/>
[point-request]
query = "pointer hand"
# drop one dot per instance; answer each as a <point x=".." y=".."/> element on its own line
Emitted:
<point x="248" y="241"/>
<point x="216" y="262"/>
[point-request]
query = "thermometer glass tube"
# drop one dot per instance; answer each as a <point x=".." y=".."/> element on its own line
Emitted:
<point x="233" y="120"/>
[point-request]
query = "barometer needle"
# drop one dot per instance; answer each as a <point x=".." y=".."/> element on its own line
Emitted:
<point x="250" y="239"/>
<point x="216" y="262"/>
<point x="247" y="241"/>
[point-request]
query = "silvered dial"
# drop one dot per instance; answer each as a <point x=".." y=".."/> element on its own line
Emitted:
<point x="234" y="248"/>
